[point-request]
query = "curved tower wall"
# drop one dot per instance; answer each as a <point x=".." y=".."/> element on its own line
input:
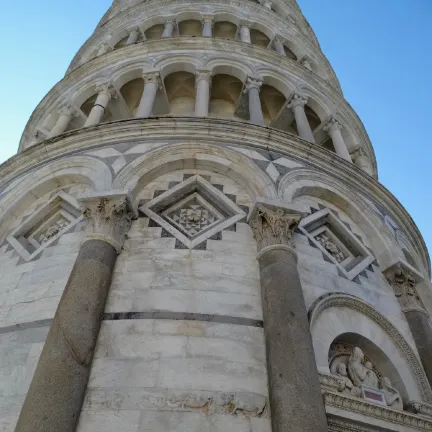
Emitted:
<point x="177" y="134"/>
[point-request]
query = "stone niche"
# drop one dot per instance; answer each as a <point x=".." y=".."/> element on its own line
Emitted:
<point x="360" y="377"/>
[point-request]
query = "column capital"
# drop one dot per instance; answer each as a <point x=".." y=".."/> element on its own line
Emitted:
<point x="245" y="23"/>
<point x="273" y="223"/>
<point x="306" y="63"/>
<point x="267" y="3"/>
<point x="68" y="110"/>
<point x="252" y="82"/>
<point x="106" y="88"/>
<point x="109" y="216"/>
<point x="297" y="100"/>
<point x="207" y="19"/>
<point x="104" y="48"/>
<point x="152" y="78"/>
<point x="170" y="20"/>
<point x="332" y="125"/>
<point x="404" y="282"/>
<point x="358" y="152"/>
<point x="203" y="74"/>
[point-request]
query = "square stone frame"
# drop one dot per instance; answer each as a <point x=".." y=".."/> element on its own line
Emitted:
<point x="193" y="184"/>
<point x="328" y="215"/>
<point x="65" y="202"/>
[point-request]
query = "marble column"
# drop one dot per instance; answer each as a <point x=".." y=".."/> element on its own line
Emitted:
<point x="245" y="32"/>
<point x="296" y="403"/>
<point x="133" y="36"/>
<point x="207" y="28"/>
<point x="169" y="28"/>
<point x="297" y="103"/>
<point x="333" y="128"/>
<point x="202" y="98"/>
<point x="279" y="47"/>
<point x="151" y="85"/>
<point x="252" y="87"/>
<point x="65" y="117"/>
<point x="53" y="402"/>
<point x="105" y="92"/>
<point x="404" y="285"/>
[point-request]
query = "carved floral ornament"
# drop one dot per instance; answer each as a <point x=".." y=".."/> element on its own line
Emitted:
<point x="273" y="226"/>
<point x="109" y="217"/>
<point x="404" y="286"/>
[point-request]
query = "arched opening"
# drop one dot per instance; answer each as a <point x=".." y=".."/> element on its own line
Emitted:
<point x="375" y="364"/>
<point x="180" y="90"/>
<point x="132" y="92"/>
<point x="225" y="29"/>
<point x="190" y="28"/>
<point x="289" y="53"/>
<point x="121" y="43"/>
<point x="154" y="32"/>
<point x="271" y="102"/>
<point x="409" y="258"/>
<point x="259" y="38"/>
<point x="225" y="93"/>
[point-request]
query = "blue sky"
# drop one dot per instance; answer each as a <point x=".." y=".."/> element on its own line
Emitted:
<point x="380" y="50"/>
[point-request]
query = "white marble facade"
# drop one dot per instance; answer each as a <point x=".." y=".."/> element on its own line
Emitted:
<point x="181" y="347"/>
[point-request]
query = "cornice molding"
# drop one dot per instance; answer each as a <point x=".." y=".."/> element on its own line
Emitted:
<point x="228" y="132"/>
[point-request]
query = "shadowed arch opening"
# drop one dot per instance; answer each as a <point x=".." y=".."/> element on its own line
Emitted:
<point x="132" y="92"/>
<point x="180" y="90"/>
<point x="224" y="95"/>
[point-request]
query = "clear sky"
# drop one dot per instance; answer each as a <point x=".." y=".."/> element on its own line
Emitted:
<point x="380" y="50"/>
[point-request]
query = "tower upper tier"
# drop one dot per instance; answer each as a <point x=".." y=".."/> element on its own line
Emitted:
<point x="244" y="46"/>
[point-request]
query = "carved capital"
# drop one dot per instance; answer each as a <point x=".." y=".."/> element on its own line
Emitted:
<point x="245" y="23"/>
<point x="203" y="74"/>
<point x="273" y="225"/>
<point x="357" y="152"/>
<point x="103" y="49"/>
<point x="109" y="217"/>
<point x="306" y="63"/>
<point x="152" y="78"/>
<point x="107" y="89"/>
<point x="297" y="100"/>
<point x="68" y="110"/>
<point x="252" y="83"/>
<point x="207" y="19"/>
<point x="404" y="284"/>
<point x="170" y="21"/>
<point x="332" y="126"/>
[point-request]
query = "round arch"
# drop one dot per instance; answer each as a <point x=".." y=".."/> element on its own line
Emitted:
<point x="334" y="315"/>
<point x="305" y="181"/>
<point x="76" y="169"/>
<point x="196" y="155"/>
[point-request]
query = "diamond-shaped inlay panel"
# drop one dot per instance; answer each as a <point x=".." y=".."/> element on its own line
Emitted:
<point x="45" y="226"/>
<point x="193" y="211"/>
<point x="193" y="215"/>
<point x="336" y="242"/>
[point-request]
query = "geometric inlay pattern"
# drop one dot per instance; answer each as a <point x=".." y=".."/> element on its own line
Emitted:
<point x="193" y="211"/>
<point x="337" y="243"/>
<point x="45" y="226"/>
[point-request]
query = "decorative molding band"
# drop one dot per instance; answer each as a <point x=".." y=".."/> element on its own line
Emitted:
<point x="183" y="316"/>
<point x="236" y="404"/>
<point x="354" y="303"/>
<point x="386" y="414"/>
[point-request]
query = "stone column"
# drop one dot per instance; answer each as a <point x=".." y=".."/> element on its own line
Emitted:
<point x="297" y="104"/>
<point x="207" y="29"/>
<point x="65" y="117"/>
<point x="252" y="87"/>
<point x="151" y="85"/>
<point x="296" y="403"/>
<point x="105" y="92"/>
<point x="53" y="402"/>
<point x="245" y="32"/>
<point x="279" y="46"/>
<point x="133" y="36"/>
<point x="202" y="98"/>
<point x="404" y="284"/>
<point x="333" y="127"/>
<point x="268" y="4"/>
<point x="169" y="28"/>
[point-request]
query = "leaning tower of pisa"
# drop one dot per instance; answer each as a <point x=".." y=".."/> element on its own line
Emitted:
<point x="193" y="239"/>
